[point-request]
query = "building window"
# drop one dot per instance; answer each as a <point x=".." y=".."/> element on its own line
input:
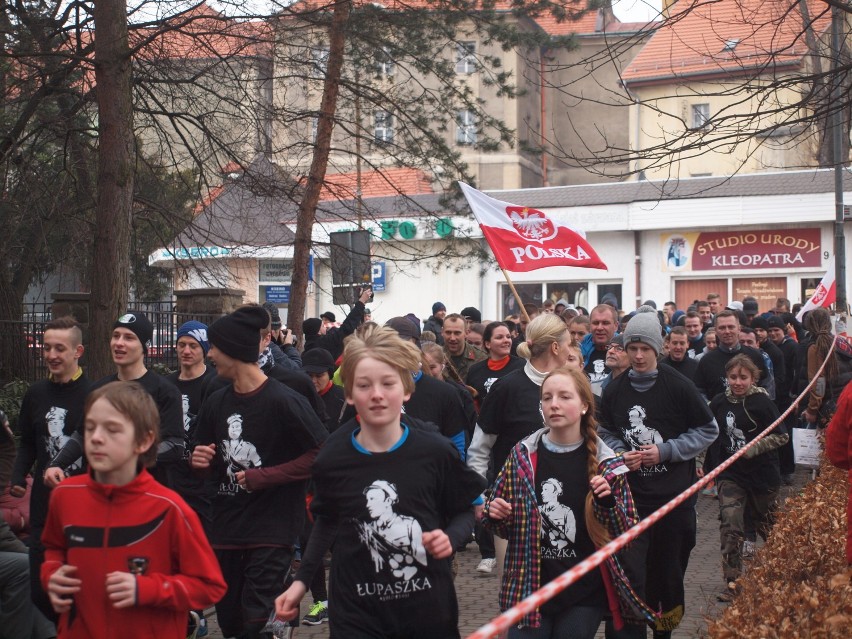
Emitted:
<point x="700" y="115"/>
<point x="384" y="64"/>
<point x="465" y="128"/>
<point x="383" y="127"/>
<point x="319" y="61"/>
<point x="466" y="57"/>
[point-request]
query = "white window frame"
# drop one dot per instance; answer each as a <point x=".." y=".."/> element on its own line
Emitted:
<point x="466" y="57"/>
<point x="383" y="127"/>
<point x="319" y="61"/>
<point x="700" y="114"/>
<point x="465" y="128"/>
<point x="385" y="66"/>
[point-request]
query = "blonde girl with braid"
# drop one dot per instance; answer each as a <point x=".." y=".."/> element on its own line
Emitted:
<point x="561" y="495"/>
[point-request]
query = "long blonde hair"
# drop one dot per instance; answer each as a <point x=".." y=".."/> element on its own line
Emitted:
<point x="589" y="430"/>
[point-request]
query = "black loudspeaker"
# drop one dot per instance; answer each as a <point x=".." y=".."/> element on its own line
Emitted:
<point x="350" y="264"/>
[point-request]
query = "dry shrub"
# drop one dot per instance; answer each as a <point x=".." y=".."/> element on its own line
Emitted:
<point x="798" y="585"/>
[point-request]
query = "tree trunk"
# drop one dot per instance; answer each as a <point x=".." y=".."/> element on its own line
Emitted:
<point x="308" y="208"/>
<point x="116" y="153"/>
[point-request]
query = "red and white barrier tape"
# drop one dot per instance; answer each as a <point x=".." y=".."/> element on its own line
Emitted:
<point x="502" y="622"/>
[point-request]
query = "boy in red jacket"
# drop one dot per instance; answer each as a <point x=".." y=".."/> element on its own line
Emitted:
<point x="124" y="556"/>
<point x="838" y="449"/>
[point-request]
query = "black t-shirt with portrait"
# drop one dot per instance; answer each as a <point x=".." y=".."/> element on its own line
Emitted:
<point x="710" y="377"/>
<point x="511" y="410"/>
<point x="50" y="414"/>
<point x="696" y="347"/>
<point x="270" y="426"/>
<point x="195" y="489"/>
<point x="481" y="377"/>
<point x="596" y="368"/>
<point x="668" y="409"/>
<point x="739" y="423"/>
<point x="383" y="583"/>
<point x="561" y="486"/>
<point x="191" y="394"/>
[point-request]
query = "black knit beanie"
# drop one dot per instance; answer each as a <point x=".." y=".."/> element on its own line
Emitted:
<point x="138" y="324"/>
<point x="238" y="334"/>
<point x="311" y="326"/>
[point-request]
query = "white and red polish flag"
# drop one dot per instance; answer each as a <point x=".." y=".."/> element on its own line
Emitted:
<point x="525" y="239"/>
<point x="824" y="295"/>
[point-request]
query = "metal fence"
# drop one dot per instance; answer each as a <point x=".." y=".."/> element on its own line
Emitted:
<point x="21" y="340"/>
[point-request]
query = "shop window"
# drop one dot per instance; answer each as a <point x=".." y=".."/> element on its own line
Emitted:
<point x="807" y="288"/>
<point x="577" y="293"/>
<point x="529" y="293"/>
<point x="610" y="289"/>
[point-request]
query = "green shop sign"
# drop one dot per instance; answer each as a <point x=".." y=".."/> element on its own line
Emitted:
<point x="408" y="230"/>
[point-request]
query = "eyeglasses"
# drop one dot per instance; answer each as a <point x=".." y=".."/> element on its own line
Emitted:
<point x="615" y="347"/>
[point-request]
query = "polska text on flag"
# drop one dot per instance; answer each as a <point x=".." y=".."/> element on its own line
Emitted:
<point x="525" y="239"/>
<point x="824" y="295"/>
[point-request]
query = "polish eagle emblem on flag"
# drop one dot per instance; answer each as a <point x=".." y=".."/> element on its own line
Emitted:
<point x="819" y="295"/>
<point x="531" y="224"/>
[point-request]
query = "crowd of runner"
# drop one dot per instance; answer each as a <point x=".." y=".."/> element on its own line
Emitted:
<point x="379" y="450"/>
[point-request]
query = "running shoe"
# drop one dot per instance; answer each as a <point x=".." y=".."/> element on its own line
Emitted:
<point x="317" y="614"/>
<point x="486" y="565"/>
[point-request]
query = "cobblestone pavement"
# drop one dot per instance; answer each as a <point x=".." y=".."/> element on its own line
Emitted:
<point x="477" y="593"/>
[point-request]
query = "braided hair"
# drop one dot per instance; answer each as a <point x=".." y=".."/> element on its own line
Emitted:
<point x="818" y="324"/>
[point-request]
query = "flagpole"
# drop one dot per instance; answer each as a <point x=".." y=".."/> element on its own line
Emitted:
<point x="517" y="297"/>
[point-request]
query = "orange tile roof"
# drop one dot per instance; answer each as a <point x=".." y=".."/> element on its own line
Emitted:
<point x="203" y="32"/>
<point x="202" y="204"/>
<point x="695" y="40"/>
<point x="393" y="181"/>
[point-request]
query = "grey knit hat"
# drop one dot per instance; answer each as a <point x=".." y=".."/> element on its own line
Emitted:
<point x="644" y="328"/>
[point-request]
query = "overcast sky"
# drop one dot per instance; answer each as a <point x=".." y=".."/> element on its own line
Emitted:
<point x="636" y="10"/>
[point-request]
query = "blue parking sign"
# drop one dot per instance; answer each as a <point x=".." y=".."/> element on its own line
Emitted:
<point x="278" y="294"/>
<point x="379" y="283"/>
